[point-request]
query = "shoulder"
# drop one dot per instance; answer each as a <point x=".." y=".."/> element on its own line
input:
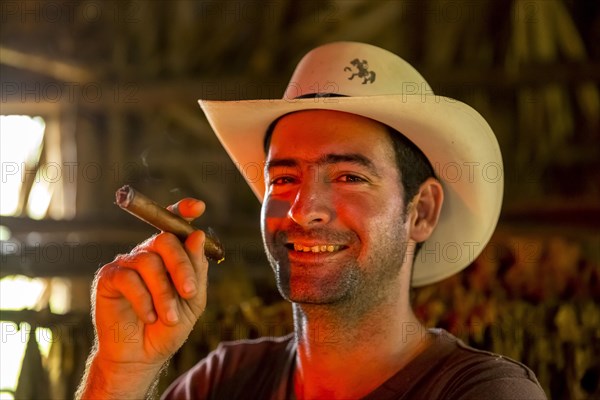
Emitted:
<point x="472" y="374"/>
<point x="238" y="361"/>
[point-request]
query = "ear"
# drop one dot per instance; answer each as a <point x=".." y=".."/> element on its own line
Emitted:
<point x="424" y="210"/>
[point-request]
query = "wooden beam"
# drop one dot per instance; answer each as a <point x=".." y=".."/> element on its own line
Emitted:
<point x="530" y="75"/>
<point x="79" y="226"/>
<point x="57" y="258"/>
<point x="83" y="258"/>
<point x="44" y="65"/>
<point x="44" y="248"/>
<point x="45" y="318"/>
<point x="144" y="95"/>
<point x="578" y="218"/>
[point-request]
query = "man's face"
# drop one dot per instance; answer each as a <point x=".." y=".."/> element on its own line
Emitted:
<point x="333" y="216"/>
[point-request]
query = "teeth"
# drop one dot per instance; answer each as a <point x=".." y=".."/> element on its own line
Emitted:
<point x="317" y="249"/>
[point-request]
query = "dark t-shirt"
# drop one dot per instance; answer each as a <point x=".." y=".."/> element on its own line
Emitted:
<point x="448" y="369"/>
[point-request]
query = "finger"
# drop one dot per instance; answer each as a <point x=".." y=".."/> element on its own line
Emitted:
<point x="114" y="282"/>
<point x="194" y="246"/>
<point x="188" y="208"/>
<point x="177" y="262"/>
<point x="151" y="267"/>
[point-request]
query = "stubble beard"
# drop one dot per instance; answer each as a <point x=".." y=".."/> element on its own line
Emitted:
<point x="352" y="289"/>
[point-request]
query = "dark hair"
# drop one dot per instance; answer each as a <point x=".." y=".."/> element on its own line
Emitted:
<point x="413" y="165"/>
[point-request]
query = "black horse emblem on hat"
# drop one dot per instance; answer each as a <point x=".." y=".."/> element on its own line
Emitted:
<point x="363" y="71"/>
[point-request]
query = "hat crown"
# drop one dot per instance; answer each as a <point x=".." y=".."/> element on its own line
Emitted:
<point x="354" y="69"/>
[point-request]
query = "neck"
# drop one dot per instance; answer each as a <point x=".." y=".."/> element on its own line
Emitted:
<point x="342" y="357"/>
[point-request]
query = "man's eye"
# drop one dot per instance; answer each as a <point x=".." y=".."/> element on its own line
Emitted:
<point x="349" y="178"/>
<point x="282" y="180"/>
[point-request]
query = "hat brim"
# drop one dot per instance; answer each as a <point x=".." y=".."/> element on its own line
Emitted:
<point x="454" y="137"/>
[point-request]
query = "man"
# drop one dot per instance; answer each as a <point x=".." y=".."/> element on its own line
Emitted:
<point x="350" y="192"/>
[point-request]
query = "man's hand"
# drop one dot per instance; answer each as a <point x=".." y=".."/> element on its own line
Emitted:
<point x="145" y="304"/>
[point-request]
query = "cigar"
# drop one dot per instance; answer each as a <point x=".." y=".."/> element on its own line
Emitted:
<point x="147" y="210"/>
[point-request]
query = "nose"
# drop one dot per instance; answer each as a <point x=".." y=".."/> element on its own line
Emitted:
<point x="311" y="206"/>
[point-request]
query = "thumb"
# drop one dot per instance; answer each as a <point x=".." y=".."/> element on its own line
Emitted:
<point x="188" y="208"/>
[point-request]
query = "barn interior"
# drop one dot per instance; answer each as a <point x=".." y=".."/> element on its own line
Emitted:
<point x="100" y="94"/>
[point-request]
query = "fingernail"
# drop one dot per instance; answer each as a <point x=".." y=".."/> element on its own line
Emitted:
<point x="172" y="315"/>
<point x="151" y="316"/>
<point x="189" y="286"/>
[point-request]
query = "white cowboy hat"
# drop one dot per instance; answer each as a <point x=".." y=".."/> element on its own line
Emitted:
<point x="380" y="85"/>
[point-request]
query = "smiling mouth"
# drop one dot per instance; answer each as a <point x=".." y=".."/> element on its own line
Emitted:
<point x="322" y="248"/>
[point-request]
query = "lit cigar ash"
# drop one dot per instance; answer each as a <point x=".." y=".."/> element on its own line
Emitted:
<point x="147" y="210"/>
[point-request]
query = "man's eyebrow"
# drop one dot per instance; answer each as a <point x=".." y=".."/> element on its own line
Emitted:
<point x="280" y="162"/>
<point x="354" y="158"/>
<point x="327" y="159"/>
